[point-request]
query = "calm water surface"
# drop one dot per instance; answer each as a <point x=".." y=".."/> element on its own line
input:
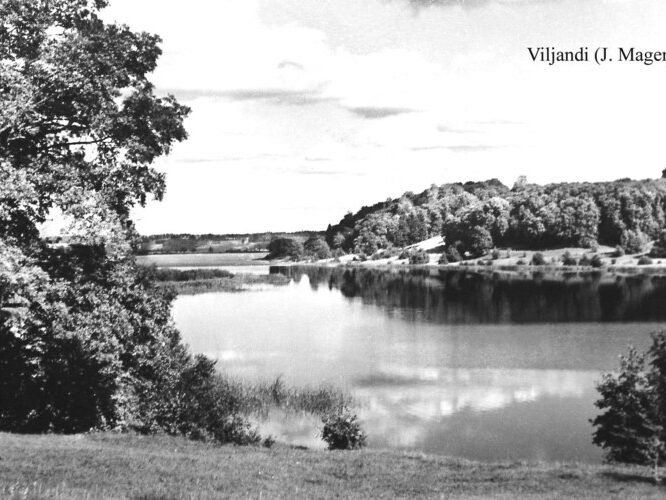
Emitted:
<point x="484" y="367"/>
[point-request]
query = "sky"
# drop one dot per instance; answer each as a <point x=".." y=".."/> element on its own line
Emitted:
<point x="303" y="110"/>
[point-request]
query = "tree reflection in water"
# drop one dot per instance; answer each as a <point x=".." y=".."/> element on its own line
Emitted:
<point x="460" y="297"/>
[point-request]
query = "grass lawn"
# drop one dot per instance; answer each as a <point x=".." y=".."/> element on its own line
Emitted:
<point x="129" y="466"/>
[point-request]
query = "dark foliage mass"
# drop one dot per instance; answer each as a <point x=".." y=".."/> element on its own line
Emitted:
<point x="477" y="216"/>
<point x="342" y="431"/>
<point x="316" y="248"/>
<point x="415" y="256"/>
<point x="538" y="259"/>
<point x="631" y="427"/>
<point x="659" y="247"/>
<point x="280" y="248"/>
<point x="86" y="338"/>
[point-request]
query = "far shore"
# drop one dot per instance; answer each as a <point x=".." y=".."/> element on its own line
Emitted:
<point x="509" y="261"/>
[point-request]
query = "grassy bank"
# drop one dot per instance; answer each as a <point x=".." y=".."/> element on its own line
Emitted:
<point x="160" y="467"/>
<point x="193" y="281"/>
<point x="235" y="283"/>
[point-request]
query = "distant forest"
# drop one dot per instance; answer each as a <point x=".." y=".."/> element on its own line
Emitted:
<point x="215" y="243"/>
<point x="478" y="216"/>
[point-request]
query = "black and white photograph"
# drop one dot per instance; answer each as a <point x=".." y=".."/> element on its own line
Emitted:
<point x="332" y="249"/>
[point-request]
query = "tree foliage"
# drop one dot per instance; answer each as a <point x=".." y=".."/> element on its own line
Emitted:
<point x="659" y="247"/>
<point x="482" y="215"/>
<point x="633" y="402"/>
<point x="316" y="247"/>
<point x="342" y="431"/>
<point x="280" y="248"/>
<point x="86" y="339"/>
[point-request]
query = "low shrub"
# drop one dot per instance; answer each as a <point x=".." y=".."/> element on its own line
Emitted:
<point x="619" y="251"/>
<point x="453" y="255"/>
<point x="596" y="261"/>
<point x="585" y="261"/>
<point x="520" y="262"/>
<point x="342" y="431"/>
<point x="199" y="403"/>
<point x="495" y="254"/>
<point x="388" y="253"/>
<point x="391" y="252"/>
<point x="568" y="259"/>
<point x="443" y="259"/>
<point x="645" y="261"/>
<point x="419" y="257"/>
<point x="538" y="259"/>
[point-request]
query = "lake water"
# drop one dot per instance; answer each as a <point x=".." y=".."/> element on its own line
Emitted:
<point x="484" y="367"/>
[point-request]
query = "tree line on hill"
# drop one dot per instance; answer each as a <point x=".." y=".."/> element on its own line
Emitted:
<point x="475" y="217"/>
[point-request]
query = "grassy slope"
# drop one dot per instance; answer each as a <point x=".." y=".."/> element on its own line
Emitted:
<point x="127" y="466"/>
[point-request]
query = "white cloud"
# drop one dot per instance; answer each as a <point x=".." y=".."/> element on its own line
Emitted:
<point x="377" y="91"/>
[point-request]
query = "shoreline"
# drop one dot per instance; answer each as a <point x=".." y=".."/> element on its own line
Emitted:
<point x="509" y="263"/>
<point x="613" y="270"/>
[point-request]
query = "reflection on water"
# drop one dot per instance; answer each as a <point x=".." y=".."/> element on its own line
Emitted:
<point x="468" y="297"/>
<point x="450" y="363"/>
<point x="464" y="406"/>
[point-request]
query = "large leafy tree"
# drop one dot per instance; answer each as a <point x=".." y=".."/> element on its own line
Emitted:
<point x="80" y="123"/>
<point x="86" y="339"/>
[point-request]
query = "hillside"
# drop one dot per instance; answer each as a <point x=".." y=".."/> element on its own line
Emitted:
<point x="105" y="466"/>
<point x="478" y="216"/>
